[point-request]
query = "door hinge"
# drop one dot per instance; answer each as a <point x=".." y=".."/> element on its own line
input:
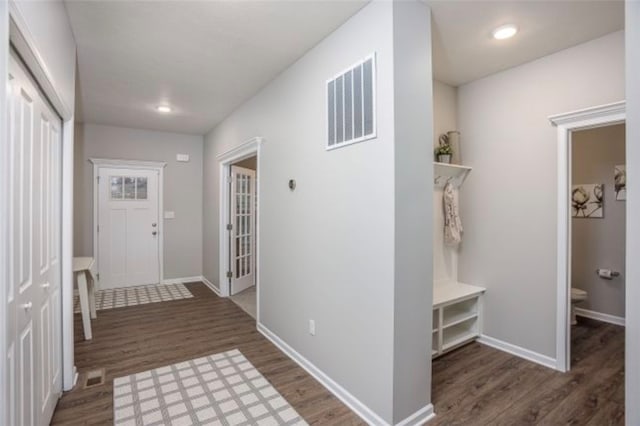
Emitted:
<point x="229" y="227"/>
<point x="98" y="178"/>
<point x="98" y="276"/>
<point x="229" y="274"/>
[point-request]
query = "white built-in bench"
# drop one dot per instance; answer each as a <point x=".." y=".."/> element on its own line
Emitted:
<point x="457" y="314"/>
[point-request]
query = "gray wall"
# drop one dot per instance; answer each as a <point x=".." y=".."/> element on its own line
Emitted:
<point x="599" y="243"/>
<point x="445" y="109"/>
<point x="508" y="205"/>
<point x="632" y="352"/>
<point x="413" y="116"/>
<point x="327" y="249"/>
<point x="182" y="188"/>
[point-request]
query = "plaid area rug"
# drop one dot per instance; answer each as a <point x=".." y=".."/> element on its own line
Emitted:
<point x="221" y="389"/>
<point x="132" y="296"/>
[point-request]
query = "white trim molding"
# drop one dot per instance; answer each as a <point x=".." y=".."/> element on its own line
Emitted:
<point x="182" y="280"/>
<point x="117" y="163"/>
<point x="4" y="209"/>
<point x="211" y="286"/>
<point x="225" y="160"/>
<point x="567" y="123"/>
<point x="599" y="316"/>
<point x="518" y="351"/>
<point x="112" y="163"/>
<point x="418" y="418"/>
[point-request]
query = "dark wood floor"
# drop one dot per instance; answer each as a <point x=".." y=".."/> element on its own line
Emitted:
<point x="475" y="385"/>
<point x="135" y="339"/>
<point x="478" y="385"/>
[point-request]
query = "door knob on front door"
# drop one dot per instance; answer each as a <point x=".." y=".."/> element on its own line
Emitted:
<point x="45" y="285"/>
<point x="27" y="306"/>
<point x="154" y="233"/>
<point x="154" y="224"/>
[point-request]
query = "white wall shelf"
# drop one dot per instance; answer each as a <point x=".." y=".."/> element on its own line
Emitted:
<point x="457" y="315"/>
<point x="455" y="173"/>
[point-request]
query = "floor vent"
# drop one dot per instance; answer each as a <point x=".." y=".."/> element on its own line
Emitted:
<point x="94" y="378"/>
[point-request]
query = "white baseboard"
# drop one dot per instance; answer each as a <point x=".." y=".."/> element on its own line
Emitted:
<point x="341" y="393"/>
<point x="419" y="418"/>
<point x="599" y="316"/>
<point x="182" y="280"/>
<point x="211" y="286"/>
<point x="519" y="351"/>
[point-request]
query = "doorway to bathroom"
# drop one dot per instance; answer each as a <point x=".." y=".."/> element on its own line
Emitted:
<point x="591" y="227"/>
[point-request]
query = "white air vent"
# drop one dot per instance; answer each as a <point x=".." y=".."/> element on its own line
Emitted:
<point x="351" y="105"/>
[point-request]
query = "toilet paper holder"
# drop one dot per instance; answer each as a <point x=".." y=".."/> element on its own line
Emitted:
<point x="607" y="274"/>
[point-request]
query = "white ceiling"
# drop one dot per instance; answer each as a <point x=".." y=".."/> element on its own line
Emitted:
<point x="464" y="50"/>
<point x="207" y="57"/>
<point x="203" y="57"/>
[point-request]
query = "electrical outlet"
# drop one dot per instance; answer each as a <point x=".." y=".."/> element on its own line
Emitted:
<point x="312" y="327"/>
<point x="183" y="158"/>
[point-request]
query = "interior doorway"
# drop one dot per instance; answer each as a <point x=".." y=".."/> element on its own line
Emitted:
<point x="568" y="124"/>
<point x="598" y="227"/>
<point x="239" y="225"/>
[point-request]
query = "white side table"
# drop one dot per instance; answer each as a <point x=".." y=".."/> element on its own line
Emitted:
<point x="87" y="289"/>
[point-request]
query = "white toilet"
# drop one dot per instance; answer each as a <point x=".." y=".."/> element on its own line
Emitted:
<point x="577" y="296"/>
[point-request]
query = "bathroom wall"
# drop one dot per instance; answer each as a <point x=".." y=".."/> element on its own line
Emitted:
<point x="445" y="110"/>
<point x="599" y="243"/>
<point x="509" y="202"/>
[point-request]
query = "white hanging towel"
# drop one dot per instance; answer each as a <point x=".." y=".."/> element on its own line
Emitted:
<point x="452" y="223"/>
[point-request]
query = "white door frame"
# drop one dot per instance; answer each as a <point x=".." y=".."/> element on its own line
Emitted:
<point x="14" y="29"/>
<point x="566" y="123"/>
<point x="248" y="149"/>
<point x="99" y="163"/>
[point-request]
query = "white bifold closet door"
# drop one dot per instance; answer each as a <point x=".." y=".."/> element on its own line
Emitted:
<point x="34" y="294"/>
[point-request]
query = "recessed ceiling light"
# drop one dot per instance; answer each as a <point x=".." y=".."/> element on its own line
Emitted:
<point x="163" y="108"/>
<point x="504" y="32"/>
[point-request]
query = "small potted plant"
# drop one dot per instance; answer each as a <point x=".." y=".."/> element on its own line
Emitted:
<point x="443" y="153"/>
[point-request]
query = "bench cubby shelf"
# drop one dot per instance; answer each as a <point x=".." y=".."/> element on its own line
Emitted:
<point x="457" y="312"/>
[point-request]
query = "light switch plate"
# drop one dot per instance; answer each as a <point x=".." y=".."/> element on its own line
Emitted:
<point x="169" y="215"/>
<point x="182" y="158"/>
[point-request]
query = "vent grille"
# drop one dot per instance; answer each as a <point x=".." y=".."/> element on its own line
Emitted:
<point x="351" y="105"/>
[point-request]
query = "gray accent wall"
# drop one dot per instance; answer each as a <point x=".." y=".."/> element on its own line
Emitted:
<point x="182" y="188"/>
<point x="509" y="203"/>
<point x="632" y="352"/>
<point x="599" y="243"/>
<point x="328" y="249"/>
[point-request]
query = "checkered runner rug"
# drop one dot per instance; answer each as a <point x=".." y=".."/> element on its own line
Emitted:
<point x="221" y="389"/>
<point x="139" y="295"/>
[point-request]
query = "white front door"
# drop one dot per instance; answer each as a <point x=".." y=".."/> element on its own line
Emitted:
<point x="243" y="204"/>
<point x="34" y="304"/>
<point x="128" y="227"/>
